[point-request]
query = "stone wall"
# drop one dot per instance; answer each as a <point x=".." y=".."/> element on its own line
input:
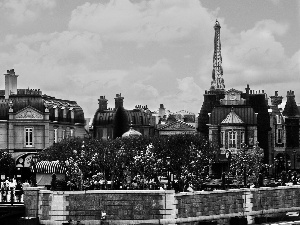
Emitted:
<point x="159" y="207"/>
<point x="87" y="206"/>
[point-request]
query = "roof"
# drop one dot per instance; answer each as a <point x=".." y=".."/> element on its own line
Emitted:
<point x="131" y="133"/>
<point x="40" y="102"/>
<point x="177" y="125"/>
<point x="232" y="118"/>
<point x="49" y="167"/>
<point x="222" y="114"/>
<point x="135" y="116"/>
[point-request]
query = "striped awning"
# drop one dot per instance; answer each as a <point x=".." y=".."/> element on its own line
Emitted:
<point x="49" y="167"/>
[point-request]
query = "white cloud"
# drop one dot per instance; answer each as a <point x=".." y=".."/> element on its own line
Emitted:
<point x="255" y="55"/>
<point x="147" y="21"/>
<point x="20" y="11"/>
<point x="99" y="54"/>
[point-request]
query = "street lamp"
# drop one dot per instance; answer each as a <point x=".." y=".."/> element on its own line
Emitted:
<point x="168" y="172"/>
<point x="244" y="147"/>
<point x="294" y="154"/>
<point x="276" y="165"/>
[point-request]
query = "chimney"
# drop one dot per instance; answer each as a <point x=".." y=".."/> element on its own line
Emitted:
<point x="10" y="83"/>
<point x="276" y="100"/>
<point x="118" y="101"/>
<point x="162" y="111"/>
<point x="102" y="103"/>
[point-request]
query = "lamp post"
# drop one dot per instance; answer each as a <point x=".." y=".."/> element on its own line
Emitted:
<point x="276" y="165"/>
<point x="168" y="172"/>
<point x="294" y="154"/>
<point x="244" y="147"/>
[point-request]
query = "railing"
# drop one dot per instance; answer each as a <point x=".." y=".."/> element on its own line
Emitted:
<point x="10" y="196"/>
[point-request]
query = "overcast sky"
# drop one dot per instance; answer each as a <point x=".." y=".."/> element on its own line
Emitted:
<point x="151" y="51"/>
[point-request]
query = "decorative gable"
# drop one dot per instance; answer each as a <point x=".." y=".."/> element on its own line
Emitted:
<point x="29" y="113"/>
<point x="232" y="118"/>
<point x="232" y="97"/>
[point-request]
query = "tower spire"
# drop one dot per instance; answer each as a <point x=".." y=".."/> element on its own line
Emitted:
<point x="217" y="72"/>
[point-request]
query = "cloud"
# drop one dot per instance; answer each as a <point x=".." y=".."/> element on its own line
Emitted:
<point x="256" y="56"/>
<point x="275" y="2"/>
<point x="146" y="21"/>
<point x="21" y="11"/>
<point x="148" y="51"/>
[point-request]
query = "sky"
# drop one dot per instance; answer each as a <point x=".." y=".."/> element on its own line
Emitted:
<point x="151" y="51"/>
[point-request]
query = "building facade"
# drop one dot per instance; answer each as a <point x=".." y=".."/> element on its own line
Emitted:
<point x="107" y="120"/>
<point x="31" y="122"/>
<point x="285" y="133"/>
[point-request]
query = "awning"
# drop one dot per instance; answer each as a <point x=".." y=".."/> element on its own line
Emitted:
<point x="49" y="167"/>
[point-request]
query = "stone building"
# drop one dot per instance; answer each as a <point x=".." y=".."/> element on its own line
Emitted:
<point x="285" y="133"/>
<point x="31" y="122"/>
<point x="108" y="121"/>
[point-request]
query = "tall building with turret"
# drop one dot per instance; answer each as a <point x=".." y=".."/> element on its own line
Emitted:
<point x="231" y="118"/>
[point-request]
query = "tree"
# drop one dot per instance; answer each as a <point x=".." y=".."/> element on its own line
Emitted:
<point x="246" y="164"/>
<point x="120" y="122"/>
<point x="7" y="164"/>
<point x="122" y="161"/>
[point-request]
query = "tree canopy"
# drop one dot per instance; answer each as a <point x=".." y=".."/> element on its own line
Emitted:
<point x="7" y="164"/>
<point x="185" y="156"/>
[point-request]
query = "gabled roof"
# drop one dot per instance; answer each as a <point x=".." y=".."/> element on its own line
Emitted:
<point x="232" y="118"/>
<point x="177" y="125"/>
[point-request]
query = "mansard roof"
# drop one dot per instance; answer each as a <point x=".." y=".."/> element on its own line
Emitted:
<point x="245" y="114"/>
<point x="33" y="98"/>
<point x="135" y="116"/>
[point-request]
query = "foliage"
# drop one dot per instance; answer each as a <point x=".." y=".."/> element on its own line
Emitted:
<point x="134" y="160"/>
<point x="120" y="122"/>
<point x="7" y="164"/>
<point x="247" y="161"/>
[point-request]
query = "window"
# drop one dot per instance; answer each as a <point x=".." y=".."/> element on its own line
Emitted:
<point x="71" y="132"/>
<point x="29" y="137"/>
<point x="55" y="135"/>
<point x="63" y="134"/>
<point x="222" y="139"/>
<point x="242" y="137"/>
<point x="232" y="139"/>
<point x="279" y="136"/>
<point x="278" y="119"/>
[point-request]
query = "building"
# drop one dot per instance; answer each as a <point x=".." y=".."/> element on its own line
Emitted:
<point x="285" y="133"/>
<point x="31" y="122"/>
<point x="232" y="118"/>
<point x="169" y="123"/>
<point x="113" y="122"/>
